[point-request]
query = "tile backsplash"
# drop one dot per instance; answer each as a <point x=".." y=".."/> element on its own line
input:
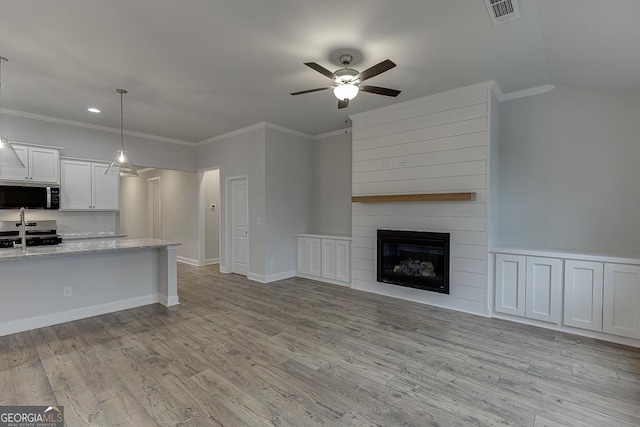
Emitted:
<point x="70" y="223"/>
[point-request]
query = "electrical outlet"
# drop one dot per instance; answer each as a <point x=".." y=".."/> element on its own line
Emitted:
<point x="67" y="291"/>
<point x="272" y="262"/>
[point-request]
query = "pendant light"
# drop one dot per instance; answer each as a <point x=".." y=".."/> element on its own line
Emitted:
<point x="121" y="163"/>
<point x="8" y="155"/>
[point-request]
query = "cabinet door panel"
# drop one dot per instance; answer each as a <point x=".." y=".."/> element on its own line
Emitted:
<point x="343" y="260"/>
<point x="328" y="259"/>
<point x="43" y="165"/>
<point x="544" y="289"/>
<point x="583" y="283"/>
<point x="315" y="257"/>
<point x="510" y="284"/>
<point x="621" y="304"/>
<point x="75" y="186"/>
<point x="303" y="255"/>
<point x="104" y="188"/>
<point x="13" y="173"/>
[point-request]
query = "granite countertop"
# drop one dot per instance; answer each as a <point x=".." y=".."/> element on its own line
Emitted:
<point x="80" y="236"/>
<point x="85" y="246"/>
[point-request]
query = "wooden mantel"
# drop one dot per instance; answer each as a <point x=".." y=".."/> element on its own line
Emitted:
<point x="423" y="197"/>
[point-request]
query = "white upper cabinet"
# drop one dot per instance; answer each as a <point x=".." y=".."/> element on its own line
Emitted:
<point x="84" y="186"/>
<point x="41" y="165"/>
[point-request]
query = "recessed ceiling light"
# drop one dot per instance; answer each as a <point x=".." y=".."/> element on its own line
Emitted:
<point x="93" y="110"/>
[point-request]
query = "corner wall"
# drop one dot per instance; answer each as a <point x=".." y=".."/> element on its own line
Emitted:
<point x="289" y="199"/>
<point x="569" y="171"/>
<point x="332" y="158"/>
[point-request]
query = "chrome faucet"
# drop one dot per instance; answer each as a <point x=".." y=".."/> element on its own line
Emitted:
<point x="23" y="232"/>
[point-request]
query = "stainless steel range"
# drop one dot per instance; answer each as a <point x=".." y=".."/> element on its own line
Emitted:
<point x="37" y="233"/>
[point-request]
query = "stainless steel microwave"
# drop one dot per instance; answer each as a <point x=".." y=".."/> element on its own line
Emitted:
<point x="16" y="197"/>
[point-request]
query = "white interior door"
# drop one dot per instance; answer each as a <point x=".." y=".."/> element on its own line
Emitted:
<point x="154" y="207"/>
<point x="239" y="226"/>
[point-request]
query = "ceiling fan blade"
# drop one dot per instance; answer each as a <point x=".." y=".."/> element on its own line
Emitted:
<point x="319" y="68"/>
<point x="343" y="103"/>
<point x="385" y="65"/>
<point x="312" y="90"/>
<point x="379" y="90"/>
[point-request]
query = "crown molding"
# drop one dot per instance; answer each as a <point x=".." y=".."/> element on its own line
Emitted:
<point x="538" y="90"/>
<point x="257" y="126"/>
<point x="332" y="133"/>
<point x="23" y="114"/>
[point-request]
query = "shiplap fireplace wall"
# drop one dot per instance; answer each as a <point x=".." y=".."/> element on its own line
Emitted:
<point x="440" y="144"/>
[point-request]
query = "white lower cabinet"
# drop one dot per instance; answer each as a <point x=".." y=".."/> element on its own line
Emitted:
<point x="621" y="300"/>
<point x="600" y="294"/>
<point x="544" y="289"/>
<point x="324" y="258"/>
<point x="529" y="287"/>
<point x="510" y="284"/>
<point x="309" y="256"/>
<point x="583" y="283"/>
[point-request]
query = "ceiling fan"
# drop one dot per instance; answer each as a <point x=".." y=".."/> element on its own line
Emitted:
<point x="347" y="81"/>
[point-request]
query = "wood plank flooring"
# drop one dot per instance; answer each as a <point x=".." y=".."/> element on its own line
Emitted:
<point x="304" y="353"/>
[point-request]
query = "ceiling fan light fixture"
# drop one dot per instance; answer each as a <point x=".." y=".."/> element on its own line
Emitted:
<point x="346" y="91"/>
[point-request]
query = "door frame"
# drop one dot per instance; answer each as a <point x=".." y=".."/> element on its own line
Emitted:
<point x="156" y="178"/>
<point x="228" y="229"/>
<point x="202" y="259"/>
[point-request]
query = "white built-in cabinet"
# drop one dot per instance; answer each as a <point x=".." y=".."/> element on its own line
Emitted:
<point x="600" y="294"/>
<point x="529" y="287"/>
<point x="325" y="258"/>
<point x="583" y="283"/>
<point x="621" y="300"/>
<point x="84" y="186"/>
<point x="41" y="165"/>
<point x="309" y="256"/>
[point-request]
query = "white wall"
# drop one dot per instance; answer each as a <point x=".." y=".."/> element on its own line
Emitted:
<point x="332" y="185"/>
<point x="289" y="199"/>
<point x="569" y="171"/>
<point x="211" y="182"/>
<point x="179" y="201"/>
<point x="434" y="144"/>
<point x="241" y="153"/>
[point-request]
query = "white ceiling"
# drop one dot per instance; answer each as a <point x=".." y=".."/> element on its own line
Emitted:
<point x="196" y="69"/>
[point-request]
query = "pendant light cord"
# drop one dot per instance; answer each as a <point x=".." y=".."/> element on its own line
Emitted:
<point x="2" y="60"/>
<point x="121" y="122"/>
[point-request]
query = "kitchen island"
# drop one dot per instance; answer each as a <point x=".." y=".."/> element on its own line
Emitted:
<point x="46" y="285"/>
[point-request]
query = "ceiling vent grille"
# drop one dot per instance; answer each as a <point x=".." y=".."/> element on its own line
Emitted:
<point x="502" y="11"/>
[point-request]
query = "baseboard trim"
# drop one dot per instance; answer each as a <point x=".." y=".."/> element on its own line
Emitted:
<point x="256" y="277"/>
<point x="223" y="269"/>
<point x="323" y="279"/>
<point x="168" y="302"/>
<point x="76" y="314"/>
<point x="189" y="261"/>
<point x="212" y="261"/>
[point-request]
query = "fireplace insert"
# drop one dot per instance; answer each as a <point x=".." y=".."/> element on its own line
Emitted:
<point x="414" y="259"/>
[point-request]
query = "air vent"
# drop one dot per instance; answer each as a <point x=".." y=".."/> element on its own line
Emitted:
<point x="502" y="11"/>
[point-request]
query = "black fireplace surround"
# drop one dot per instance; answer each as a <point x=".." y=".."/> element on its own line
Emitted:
<point x="415" y="259"/>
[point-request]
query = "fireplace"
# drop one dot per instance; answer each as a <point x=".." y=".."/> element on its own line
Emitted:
<point x="414" y="259"/>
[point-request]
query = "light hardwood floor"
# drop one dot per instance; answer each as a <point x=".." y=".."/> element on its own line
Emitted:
<point x="299" y="352"/>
